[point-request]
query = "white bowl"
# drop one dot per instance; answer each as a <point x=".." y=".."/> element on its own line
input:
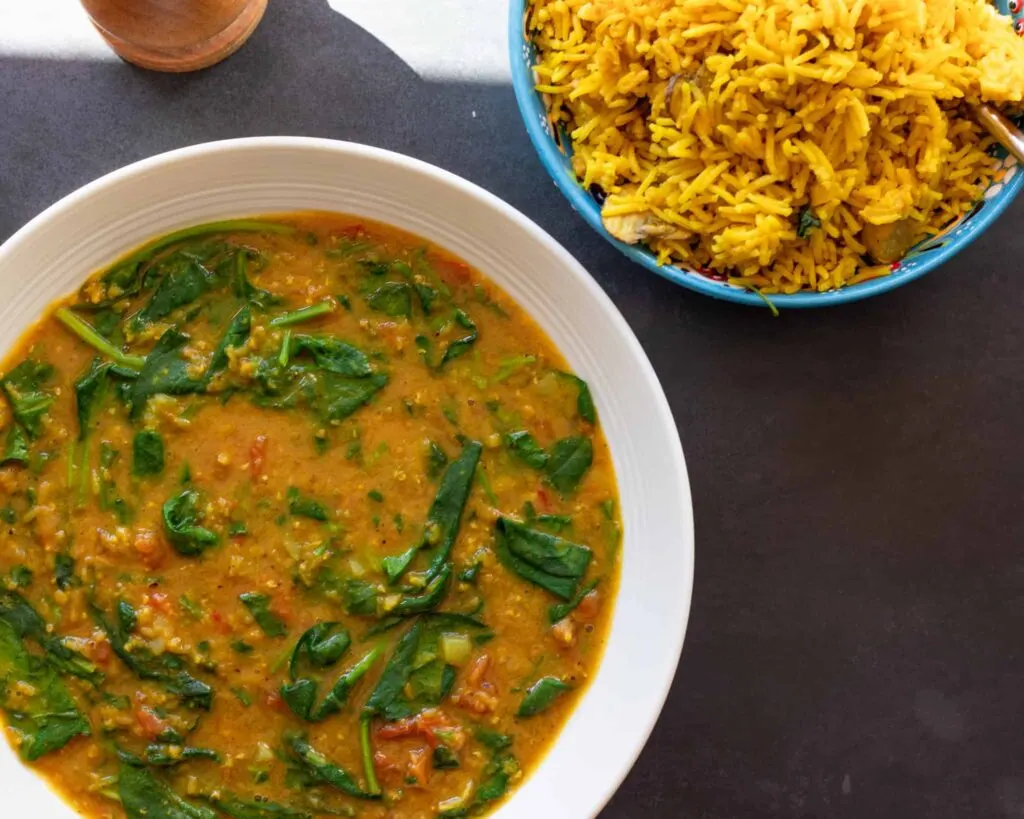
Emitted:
<point x="53" y="254"/>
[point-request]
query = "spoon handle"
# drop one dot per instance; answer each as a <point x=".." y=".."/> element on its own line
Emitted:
<point x="997" y="124"/>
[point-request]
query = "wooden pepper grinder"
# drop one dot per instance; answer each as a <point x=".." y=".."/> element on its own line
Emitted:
<point x="175" y="35"/>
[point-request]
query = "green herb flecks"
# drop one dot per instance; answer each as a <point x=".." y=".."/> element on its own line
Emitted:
<point x="304" y="506"/>
<point x="807" y="223"/>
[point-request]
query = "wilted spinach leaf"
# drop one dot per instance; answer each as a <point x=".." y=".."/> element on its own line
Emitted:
<point x="24" y="388"/>
<point x="182" y="517"/>
<point x="568" y="462"/>
<point x="304" y="506"/>
<point x="259" y="607"/>
<point x="541" y="558"/>
<point x="391" y="298"/>
<point x="143" y="796"/>
<point x="541" y="695"/>
<point x="236" y="334"/>
<point x="164" y="373"/>
<point x="44" y="720"/>
<point x="147" y="453"/>
<point x="525" y="447"/>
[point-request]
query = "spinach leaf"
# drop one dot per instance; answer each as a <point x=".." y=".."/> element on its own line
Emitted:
<point x="360" y="597"/>
<point x="64" y="571"/>
<point x="147" y="453"/>
<point x="44" y="720"/>
<point x="338" y="695"/>
<point x="460" y="346"/>
<point x="560" y="611"/>
<point x="569" y="461"/>
<point x="164" y="373"/>
<point x="166" y="669"/>
<point x="322" y="770"/>
<point x="89" y="391"/>
<point x="21" y="577"/>
<point x="303" y="506"/>
<point x="15" y="446"/>
<point x="321" y="646"/>
<point x="584" y="400"/>
<point x="444" y="758"/>
<point x="263" y="809"/>
<point x="525" y="447"/>
<point x="430" y="598"/>
<point x="471" y="572"/>
<point x="183" y="280"/>
<point x="246" y="290"/>
<point x="428" y="295"/>
<point x="443" y="519"/>
<point x="496" y="776"/>
<point x="308" y="313"/>
<point x="437" y="459"/>
<point x="259" y="607"/>
<point x="340" y="397"/>
<point x="541" y="695"/>
<point x="541" y="558"/>
<point x="236" y="334"/>
<point x="396" y="672"/>
<point x="24" y="388"/>
<point x="95" y="339"/>
<point x="494" y="740"/>
<point x="334" y="355"/>
<point x="167" y="755"/>
<point x="807" y="223"/>
<point x="394" y="566"/>
<point x="28" y="625"/>
<point x="182" y="517"/>
<point x="143" y="796"/>
<point x="429" y="678"/>
<point x="301" y="695"/>
<point x="121" y="273"/>
<point x="331" y="396"/>
<point x="391" y="298"/>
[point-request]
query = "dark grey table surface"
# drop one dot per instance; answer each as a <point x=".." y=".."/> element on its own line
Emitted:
<point x="854" y="644"/>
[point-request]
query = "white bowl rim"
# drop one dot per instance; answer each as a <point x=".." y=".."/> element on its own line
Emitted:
<point x="593" y="802"/>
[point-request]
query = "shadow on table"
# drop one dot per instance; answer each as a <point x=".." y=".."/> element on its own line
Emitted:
<point x="846" y="464"/>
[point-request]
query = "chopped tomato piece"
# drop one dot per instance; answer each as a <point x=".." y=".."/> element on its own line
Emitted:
<point x="219" y="623"/>
<point x="257" y="457"/>
<point x="150" y="724"/>
<point x="417" y="767"/>
<point x="101" y="651"/>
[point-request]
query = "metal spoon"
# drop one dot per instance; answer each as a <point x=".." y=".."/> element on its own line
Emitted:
<point x="1000" y="126"/>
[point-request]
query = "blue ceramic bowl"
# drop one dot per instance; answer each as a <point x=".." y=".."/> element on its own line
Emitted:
<point x="926" y="256"/>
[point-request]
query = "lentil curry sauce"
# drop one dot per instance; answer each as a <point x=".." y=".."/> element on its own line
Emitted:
<point x="301" y="516"/>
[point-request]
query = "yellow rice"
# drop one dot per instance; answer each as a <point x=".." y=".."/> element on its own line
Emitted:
<point x="718" y="123"/>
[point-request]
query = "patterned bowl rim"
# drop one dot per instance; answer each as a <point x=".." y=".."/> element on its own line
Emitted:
<point x="534" y="115"/>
